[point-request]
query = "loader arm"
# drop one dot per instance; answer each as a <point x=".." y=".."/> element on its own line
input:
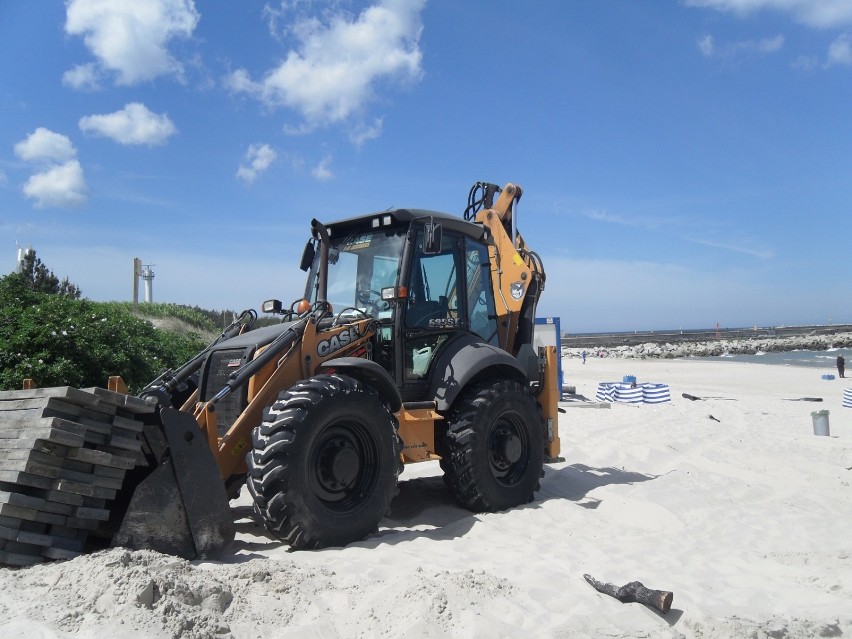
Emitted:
<point x="171" y="387"/>
<point x="274" y="369"/>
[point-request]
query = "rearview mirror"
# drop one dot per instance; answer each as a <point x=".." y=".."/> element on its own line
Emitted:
<point x="432" y="238"/>
<point x="307" y="256"/>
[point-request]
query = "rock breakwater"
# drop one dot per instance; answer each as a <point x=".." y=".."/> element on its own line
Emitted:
<point x="711" y="348"/>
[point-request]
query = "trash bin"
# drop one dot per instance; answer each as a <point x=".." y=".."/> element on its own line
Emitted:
<point x="820" y="418"/>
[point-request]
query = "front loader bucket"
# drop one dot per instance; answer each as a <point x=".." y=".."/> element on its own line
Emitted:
<point x="181" y="507"/>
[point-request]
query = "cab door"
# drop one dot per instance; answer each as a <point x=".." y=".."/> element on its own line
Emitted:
<point x="448" y="292"/>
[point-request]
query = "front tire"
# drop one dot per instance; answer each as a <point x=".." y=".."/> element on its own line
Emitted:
<point x="493" y="450"/>
<point x="325" y="463"/>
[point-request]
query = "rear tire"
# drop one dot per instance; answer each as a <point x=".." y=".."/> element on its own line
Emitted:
<point x="325" y="463"/>
<point x="493" y="450"/>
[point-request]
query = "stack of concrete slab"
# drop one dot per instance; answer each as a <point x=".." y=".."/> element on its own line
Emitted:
<point x="64" y="453"/>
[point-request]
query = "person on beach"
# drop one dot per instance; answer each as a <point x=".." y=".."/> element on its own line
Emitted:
<point x="841" y="365"/>
<point x="584" y="359"/>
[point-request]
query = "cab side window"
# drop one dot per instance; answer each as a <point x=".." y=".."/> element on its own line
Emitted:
<point x="433" y="309"/>
<point x="480" y="295"/>
<point x="447" y="292"/>
<point x="433" y="300"/>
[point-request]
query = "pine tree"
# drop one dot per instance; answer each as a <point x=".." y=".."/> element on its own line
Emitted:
<point x="40" y="278"/>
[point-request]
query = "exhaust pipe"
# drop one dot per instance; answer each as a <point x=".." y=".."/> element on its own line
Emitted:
<point x="322" y="283"/>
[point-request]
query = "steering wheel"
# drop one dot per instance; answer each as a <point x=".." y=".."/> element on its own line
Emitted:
<point x="372" y="299"/>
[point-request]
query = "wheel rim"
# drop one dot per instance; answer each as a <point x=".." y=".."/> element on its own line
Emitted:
<point x="344" y="466"/>
<point x="508" y="447"/>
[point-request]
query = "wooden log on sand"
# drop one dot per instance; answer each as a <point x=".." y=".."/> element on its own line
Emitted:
<point x="635" y="592"/>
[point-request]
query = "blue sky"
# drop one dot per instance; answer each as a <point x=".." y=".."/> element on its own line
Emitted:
<point x="684" y="162"/>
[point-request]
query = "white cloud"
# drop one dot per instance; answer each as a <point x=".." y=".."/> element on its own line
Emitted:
<point x="770" y="45"/>
<point x="746" y="247"/>
<point x="708" y="47"/>
<point x="62" y="185"/>
<point x="258" y="157"/>
<point x="684" y="229"/>
<point x="296" y="162"/>
<point x="130" y="38"/>
<point x="651" y="222"/>
<point x="134" y="124"/>
<point x="815" y="13"/>
<point x="840" y="51"/>
<point x="364" y="132"/>
<point x="805" y="62"/>
<point x="321" y="171"/>
<point x="240" y="82"/>
<point x="332" y="73"/>
<point x="43" y="145"/>
<point x="82" y="77"/>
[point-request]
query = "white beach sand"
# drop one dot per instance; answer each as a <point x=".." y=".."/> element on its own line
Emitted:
<point x="747" y="520"/>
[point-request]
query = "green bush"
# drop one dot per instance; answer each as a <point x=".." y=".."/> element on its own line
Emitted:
<point x="57" y="340"/>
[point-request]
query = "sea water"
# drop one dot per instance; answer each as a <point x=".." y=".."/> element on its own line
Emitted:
<point x="813" y="359"/>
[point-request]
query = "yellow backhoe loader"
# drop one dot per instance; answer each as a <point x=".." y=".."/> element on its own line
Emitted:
<point x="413" y="342"/>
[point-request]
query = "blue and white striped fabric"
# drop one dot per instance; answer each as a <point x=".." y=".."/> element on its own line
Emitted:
<point x="656" y="393"/>
<point x="619" y="392"/>
<point x="630" y="394"/>
<point x="847" y="398"/>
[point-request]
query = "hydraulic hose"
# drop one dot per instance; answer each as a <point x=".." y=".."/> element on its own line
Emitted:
<point x="273" y="351"/>
<point x="170" y="381"/>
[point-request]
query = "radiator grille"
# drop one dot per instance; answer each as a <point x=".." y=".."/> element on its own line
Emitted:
<point x="219" y="365"/>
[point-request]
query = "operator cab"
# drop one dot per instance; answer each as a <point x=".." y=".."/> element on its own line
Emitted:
<point x="424" y="276"/>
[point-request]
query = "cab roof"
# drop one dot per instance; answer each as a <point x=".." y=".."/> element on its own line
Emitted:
<point x="403" y="218"/>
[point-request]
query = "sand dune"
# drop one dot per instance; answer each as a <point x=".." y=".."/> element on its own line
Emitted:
<point x="744" y="516"/>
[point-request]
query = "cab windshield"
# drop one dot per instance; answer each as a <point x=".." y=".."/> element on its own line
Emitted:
<point x="359" y="267"/>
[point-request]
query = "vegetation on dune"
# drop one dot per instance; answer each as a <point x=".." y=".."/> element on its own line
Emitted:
<point x="57" y="340"/>
<point x="193" y="316"/>
<point x="51" y="336"/>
